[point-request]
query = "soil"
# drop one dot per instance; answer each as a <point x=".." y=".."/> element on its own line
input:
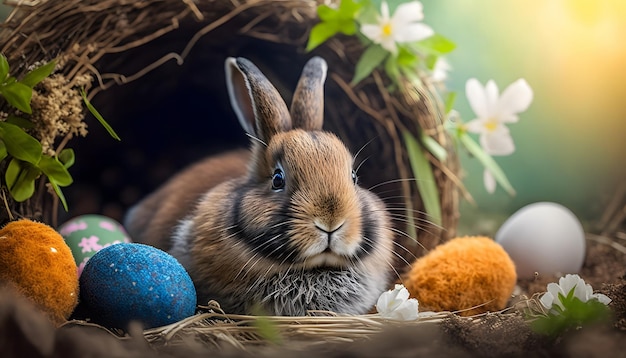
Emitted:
<point x="24" y="332"/>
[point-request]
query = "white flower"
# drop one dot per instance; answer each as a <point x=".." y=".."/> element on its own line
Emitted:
<point x="402" y="27"/>
<point x="494" y="111"/>
<point x="396" y="304"/>
<point x="490" y="181"/>
<point x="582" y="291"/>
<point x="440" y="71"/>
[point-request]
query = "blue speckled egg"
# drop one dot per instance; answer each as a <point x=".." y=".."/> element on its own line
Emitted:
<point x="130" y="281"/>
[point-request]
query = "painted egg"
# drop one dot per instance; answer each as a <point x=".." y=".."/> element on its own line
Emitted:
<point x="544" y="238"/>
<point x="136" y="282"/>
<point x="88" y="234"/>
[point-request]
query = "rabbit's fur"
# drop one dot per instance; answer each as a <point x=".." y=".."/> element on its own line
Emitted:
<point x="283" y="228"/>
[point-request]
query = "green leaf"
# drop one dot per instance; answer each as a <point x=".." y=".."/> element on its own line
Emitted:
<point x="19" y="144"/>
<point x="407" y="58"/>
<point x="370" y="59"/>
<point x="4" y="68"/>
<point x="20" y="177"/>
<point x="488" y="162"/>
<point x="424" y="177"/>
<point x="20" y="122"/>
<point x="392" y="70"/>
<point x="438" y="44"/>
<point x="55" y="170"/>
<point x="434" y="147"/>
<point x="349" y="8"/>
<point x="67" y="157"/>
<point x="449" y="101"/>
<point x="98" y="116"/>
<point x="327" y="13"/>
<point x="320" y="33"/>
<point x="3" y="151"/>
<point x="37" y="75"/>
<point x="59" y="193"/>
<point x="431" y="61"/>
<point x="18" y="95"/>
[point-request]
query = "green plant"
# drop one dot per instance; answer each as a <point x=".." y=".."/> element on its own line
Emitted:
<point x="570" y="304"/>
<point x="22" y="153"/>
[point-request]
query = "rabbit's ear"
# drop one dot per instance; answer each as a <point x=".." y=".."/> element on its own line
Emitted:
<point x="307" y="106"/>
<point x="261" y="110"/>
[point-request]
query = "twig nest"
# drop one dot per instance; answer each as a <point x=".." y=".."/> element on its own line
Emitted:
<point x="88" y="234"/>
<point x="35" y="259"/>
<point x="135" y="282"/>
<point x="468" y="274"/>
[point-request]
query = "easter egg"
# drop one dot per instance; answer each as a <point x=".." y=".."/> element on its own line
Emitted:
<point x="36" y="261"/>
<point x="136" y="282"/>
<point x="469" y="275"/>
<point x="544" y="237"/>
<point x="88" y="234"/>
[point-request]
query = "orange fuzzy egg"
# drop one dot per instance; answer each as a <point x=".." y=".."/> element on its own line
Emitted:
<point x="468" y="274"/>
<point x="36" y="261"/>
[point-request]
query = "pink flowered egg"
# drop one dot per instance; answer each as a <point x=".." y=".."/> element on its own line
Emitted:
<point x="88" y="234"/>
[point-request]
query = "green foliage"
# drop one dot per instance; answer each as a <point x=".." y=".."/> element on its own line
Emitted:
<point x="575" y="314"/>
<point x="487" y="161"/>
<point x="98" y="116"/>
<point x="424" y="177"/>
<point x="334" y="21"/>
<point x="371" y="58"/>
<point x="27" y="162"/>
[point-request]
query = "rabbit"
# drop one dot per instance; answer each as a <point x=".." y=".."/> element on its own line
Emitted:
<point x="282" y="228"/>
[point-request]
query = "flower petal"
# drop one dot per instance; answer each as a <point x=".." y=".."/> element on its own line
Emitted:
<point x="547" y="299"/>
<point x="554" y="290"/>
<point x="602" y="298"/>
<point x="475" y="126"/>
<point x="492" y="93"/>
<point x="490" y="181"/>
<point x="412" y="32"/>
<point x="384" y="11"/>
<point x="497" y="142"/>
<point x="407" y="13"/>
<point x="477" y="98"/>
<point x="389" y="44"/>
<point x="372" y="32"/>
<point x="515" y="98"/>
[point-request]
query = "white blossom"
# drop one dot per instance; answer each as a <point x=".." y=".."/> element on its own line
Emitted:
<point x="402" y="27"/>
<point x="396" y="304"/>
<point x="440" y="71"/>
<point x="493" y="112"/>
<point x="583" y="291"/>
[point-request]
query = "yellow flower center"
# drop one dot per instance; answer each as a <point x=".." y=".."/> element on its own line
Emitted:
<point x="387" y="29"/>
<point x="491" y="125"/>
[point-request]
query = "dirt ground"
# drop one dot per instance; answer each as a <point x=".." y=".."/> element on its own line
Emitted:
<point x="26" y="333"/>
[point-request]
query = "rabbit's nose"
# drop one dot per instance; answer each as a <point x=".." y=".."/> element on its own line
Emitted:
<point x="328" y="228"/>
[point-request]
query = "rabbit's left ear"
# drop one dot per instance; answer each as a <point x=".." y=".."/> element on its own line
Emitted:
<point x="261" y="110"/>
<point x="307" y="106"/>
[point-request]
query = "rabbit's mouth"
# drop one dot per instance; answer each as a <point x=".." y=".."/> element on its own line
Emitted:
<point x="327" y="258"/>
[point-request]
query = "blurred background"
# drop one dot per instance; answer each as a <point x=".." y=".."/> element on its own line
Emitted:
<point x="569" y="144"/>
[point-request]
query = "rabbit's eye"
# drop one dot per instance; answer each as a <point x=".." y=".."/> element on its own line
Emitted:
<point x="278" y="180"/>
<point x="354" y="177"/>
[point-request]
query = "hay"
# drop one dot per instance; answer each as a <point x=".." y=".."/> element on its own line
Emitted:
<point x="213" y="328"/>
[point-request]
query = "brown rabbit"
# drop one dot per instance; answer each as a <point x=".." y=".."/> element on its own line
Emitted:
<point x="284" y="228"/>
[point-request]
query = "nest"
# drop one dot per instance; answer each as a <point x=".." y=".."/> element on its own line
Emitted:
<point x="129" y="56"/>
<point x="138" y="53"/>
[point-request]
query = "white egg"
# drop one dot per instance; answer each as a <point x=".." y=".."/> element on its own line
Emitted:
<point x="543" y="237"/>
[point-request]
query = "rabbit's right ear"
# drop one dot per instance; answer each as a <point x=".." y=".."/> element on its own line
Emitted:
<point x="261" y="110"/>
